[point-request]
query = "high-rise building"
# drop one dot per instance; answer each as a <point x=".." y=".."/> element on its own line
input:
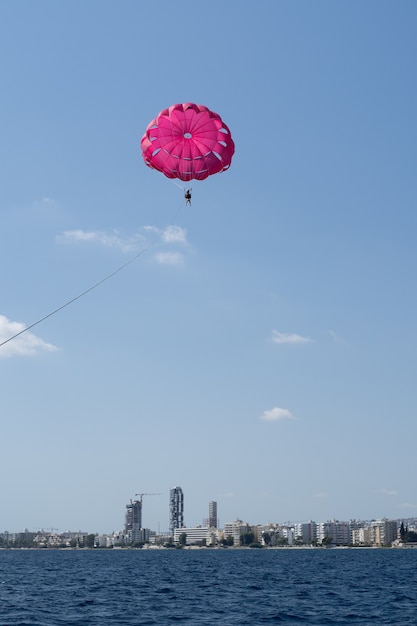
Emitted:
<point x="212" y="521"/>
<point x="133" y="518"/>
<point x="176" y="509"/>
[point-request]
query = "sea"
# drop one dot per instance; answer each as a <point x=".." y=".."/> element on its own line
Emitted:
<point x="208" y="587"/>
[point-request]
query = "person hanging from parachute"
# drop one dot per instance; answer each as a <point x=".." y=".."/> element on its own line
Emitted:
<point x="189" y="142"/>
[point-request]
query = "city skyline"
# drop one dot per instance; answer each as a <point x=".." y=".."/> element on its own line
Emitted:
<point x="378" y="533"/>
<point x="134" y="531"/>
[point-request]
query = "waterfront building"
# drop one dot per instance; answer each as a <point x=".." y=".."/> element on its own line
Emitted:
<point x="102" y="541"/>
<point x="361" y="536"/>
<point x="355" y="525"/>
<point x="176" y="509"/>
<point x="118" y="539"/>
<point x="306" y="532"/>
<point x="236" y="530"/>
<point x="383" y="532"/>
<point x="215" y="535"/>
<point x="259" y="531"/>
<point x="196" y="535"/>
<point x="160" y="539"/>
<point x="141" y="535"/>
<point x="287" y="533"/>
<point x="274" y="535"/>
<point x="339" y="533"/>
<point x="277" y="538"/>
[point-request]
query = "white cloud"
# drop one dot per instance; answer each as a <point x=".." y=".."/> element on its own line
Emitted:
<point x="25" y="344"/>
<point x="174" y="234"/>
<point x="276" y="415"/>
<point x="408" y="505"/>
<point x="171" y="235"/>
<point x="170" y="258"/>
<point x="386" y="492"/>
<point x="320" y="494"/>
<point x="278" y="337"/>
<point x="112" y="240"/>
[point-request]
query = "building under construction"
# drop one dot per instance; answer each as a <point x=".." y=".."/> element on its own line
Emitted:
<point x="133" y="521"/>
<point x="134" y="532"/>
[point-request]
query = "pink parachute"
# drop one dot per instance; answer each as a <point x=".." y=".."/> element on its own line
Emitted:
<point x="188" y="141"/>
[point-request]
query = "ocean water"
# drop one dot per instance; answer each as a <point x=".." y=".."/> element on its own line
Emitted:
<point x="208" y="587"/>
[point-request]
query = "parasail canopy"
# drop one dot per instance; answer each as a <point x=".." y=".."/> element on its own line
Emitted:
<point x="188" y="141"/>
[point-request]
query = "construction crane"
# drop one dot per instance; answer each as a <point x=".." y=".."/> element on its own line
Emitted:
<point x="147" y="494"/>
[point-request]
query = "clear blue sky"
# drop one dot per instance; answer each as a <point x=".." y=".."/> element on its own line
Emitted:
<point x="262" y="352"/>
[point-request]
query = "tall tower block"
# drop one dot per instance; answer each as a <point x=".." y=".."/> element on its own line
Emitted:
<point x="213" y="515"/>
<point x="176" y="509"/>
